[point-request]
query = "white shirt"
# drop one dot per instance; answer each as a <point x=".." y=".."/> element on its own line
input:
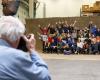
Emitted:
<point x="80" y="44"/>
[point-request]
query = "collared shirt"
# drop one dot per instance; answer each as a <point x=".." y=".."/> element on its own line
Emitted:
<point x="18" y="65"/>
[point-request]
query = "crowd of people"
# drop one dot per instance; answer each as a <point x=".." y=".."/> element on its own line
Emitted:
<point x="68" y="39"/>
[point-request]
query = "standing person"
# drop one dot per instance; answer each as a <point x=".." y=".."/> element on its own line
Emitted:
<point x="10" y="7"/>
<point x="44" y="36"/>
<point x="16" y="64"/>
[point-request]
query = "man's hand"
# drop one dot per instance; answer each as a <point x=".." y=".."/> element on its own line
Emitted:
<point x="30" y="42"/>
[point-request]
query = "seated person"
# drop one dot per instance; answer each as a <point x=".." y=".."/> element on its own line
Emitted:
<point x="16" y="64"/>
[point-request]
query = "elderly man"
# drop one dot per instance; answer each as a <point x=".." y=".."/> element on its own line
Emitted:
<point x="16" y="64"/>
<point x="10" y="7"/>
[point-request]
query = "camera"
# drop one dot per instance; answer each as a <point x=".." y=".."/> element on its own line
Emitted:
<point x="22" y="44"/>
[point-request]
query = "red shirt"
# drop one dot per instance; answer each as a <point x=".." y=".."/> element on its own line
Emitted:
<point x="50" y="39"/>
<point x="44" y="31"/>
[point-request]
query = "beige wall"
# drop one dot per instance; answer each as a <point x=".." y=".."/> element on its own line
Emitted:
<point x="62" y="8"/>
<point x="0" y="9"/>
<point x="54" y="8"/>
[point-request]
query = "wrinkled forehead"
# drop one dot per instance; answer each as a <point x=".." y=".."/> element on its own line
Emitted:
<point x="4" y="1"/>
<point x="7" y="1"/>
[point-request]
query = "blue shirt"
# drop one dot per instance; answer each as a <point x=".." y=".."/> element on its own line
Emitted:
<point x="18" y="65"/>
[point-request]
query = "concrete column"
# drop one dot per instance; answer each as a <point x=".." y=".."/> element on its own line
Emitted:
<point x="44" y="10"/>
<point x="31" y="8"/>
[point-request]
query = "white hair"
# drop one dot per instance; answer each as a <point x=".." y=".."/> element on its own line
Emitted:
<point x="11" y="27"/>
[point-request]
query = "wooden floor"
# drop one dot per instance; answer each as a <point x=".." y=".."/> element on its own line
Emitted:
<point x="70" y="57"/>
